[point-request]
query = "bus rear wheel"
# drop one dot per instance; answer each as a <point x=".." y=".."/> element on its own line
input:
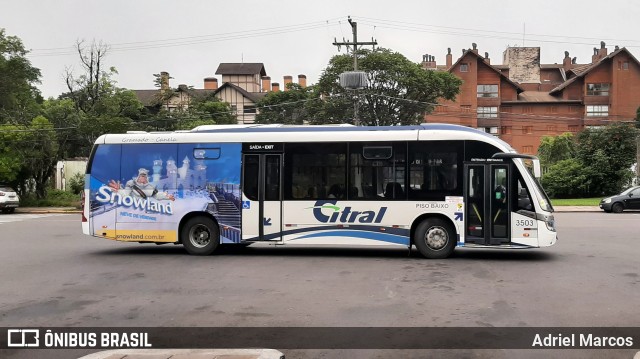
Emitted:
<point x="435" y="238"/>
<point x="200" y="236"/>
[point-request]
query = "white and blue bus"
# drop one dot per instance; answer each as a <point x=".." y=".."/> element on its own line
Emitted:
<point x="432" y="186"/>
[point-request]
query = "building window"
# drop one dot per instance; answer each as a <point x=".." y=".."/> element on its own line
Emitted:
<point x="551" y="129"/>
<point x="487" y="90"/>
<point x="487" y="112"/>
<point x="527" y="109"/>
<point x="598" y="111"/>
<point x="601" y="89"/>
<point x="465" y="108"/>
<point x="234" y="109"/>
<point x="249" y="110"/>
<point x="464" y="67"/>
<point x="491" y="130"/>
<point x="527" y="130"/>
<point x="507" y="109"/>
<point x="623" y="65"/>
<point x="573" y="128"/>
<point x="527" y="149"/>
<point x="574" y="109"/>
<point x="506" y="130"/>
<point x="552" y="109"/>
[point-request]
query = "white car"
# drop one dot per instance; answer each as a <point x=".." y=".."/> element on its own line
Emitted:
<point x="9" y="199"/>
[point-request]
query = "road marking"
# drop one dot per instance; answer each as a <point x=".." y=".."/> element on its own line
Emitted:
<point x="19" y="217"/>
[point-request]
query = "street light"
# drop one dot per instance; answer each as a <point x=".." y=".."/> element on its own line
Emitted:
<point x="354" y="81"/>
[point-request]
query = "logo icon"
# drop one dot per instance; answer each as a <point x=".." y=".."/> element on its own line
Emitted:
<point x="23" y="338"/>
<point x="246" y="204"/>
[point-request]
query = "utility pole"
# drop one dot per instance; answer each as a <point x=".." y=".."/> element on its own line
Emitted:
<point x="355" y="43"/>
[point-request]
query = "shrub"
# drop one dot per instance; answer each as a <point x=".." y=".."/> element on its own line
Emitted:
<point x="76" y="183"/>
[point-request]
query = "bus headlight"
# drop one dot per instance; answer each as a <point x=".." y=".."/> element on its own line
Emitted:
<point x="550" y="221"/>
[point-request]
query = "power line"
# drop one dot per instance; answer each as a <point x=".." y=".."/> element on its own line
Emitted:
<point x="473" y="32"/>
<point x="191" y="40"/>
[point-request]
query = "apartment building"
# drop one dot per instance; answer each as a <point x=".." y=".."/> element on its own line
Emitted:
<point x="522" y="100"/>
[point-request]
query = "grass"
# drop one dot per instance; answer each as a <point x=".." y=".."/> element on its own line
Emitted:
<point x="576" y="202"/>
<point x="55" y="198"/>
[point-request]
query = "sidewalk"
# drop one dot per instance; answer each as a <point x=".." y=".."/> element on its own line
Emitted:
<point x="577" y="209"/>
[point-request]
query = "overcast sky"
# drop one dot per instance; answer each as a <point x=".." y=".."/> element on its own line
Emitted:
<point x="190" y="38"/>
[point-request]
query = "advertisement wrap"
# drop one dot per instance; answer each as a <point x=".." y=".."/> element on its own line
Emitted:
<point x="140" y="192"/>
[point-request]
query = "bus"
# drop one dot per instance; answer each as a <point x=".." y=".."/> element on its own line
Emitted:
<point x="434" y="187"/>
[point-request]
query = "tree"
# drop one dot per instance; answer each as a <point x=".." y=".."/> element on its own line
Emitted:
<point x="608" y="153"/>
<point x="287" y="107"/>
<point x="553" y="149"/>
<point x="101" y="107"/>
<point x="19" y="97"/>
<point x="210" y="110"/>
<point x="597" y="163"/>
<point x="566" y="179"/>
<point x="399" y="92"/>
<point x="39" y="155"/>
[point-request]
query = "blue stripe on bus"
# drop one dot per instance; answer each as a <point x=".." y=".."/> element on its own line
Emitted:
<point x="382" y="237"/>
<point x="399" y="232"/>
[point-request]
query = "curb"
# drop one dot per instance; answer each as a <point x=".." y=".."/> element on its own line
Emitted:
<point x="43" y="211"/>
<point x="186" y="354"/>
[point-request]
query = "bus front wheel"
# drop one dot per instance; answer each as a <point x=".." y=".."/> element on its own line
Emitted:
<point x="435" y="238"/>
<point x="200" y="236"/>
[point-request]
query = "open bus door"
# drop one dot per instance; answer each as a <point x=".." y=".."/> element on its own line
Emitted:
<point x="488" y="202"/>
<point x="262" y="192"/>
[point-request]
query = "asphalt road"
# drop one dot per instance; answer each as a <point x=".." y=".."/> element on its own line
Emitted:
<point x="52" y="275"/>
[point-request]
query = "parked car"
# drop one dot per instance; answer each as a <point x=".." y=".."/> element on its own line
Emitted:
<point x="628" y="199"/>
<point x="9" y="199"/>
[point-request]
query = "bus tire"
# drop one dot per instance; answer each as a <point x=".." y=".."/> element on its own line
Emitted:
<point x="435" y="238"/>
<point x="200" y="236"/>
<point x="617" y="207"/>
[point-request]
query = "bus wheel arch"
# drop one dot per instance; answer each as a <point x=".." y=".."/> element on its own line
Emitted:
<point x="434" y="235"/>
<point x="199" y="233"/>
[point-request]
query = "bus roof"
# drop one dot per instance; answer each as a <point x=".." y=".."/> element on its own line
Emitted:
<point x="305" y="133"/>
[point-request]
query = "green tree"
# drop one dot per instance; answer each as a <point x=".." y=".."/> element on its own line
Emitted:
<point x="11" y="140"/>
<point x="597" y="163"/>
<point x="39" y="155"/>
<point x="609" y="152"/>
<point x="399" y="91"/>
<point x="566" y="179"/>
<point x="19" y="97"/>
<point x="287" y="107"/>
<point x="553" y="149"/>
<point x="210" y="110"/>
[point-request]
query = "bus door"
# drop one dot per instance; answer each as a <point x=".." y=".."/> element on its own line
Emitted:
<point x="262" y="195"/>
<point x="487" y="202"/>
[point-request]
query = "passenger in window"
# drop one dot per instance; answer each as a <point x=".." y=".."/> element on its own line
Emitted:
<point x="335" y="191"/>
<point x="394" y="190"/>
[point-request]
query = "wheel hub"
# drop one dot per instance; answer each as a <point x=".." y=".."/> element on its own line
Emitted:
<point x="436" y="238"/>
